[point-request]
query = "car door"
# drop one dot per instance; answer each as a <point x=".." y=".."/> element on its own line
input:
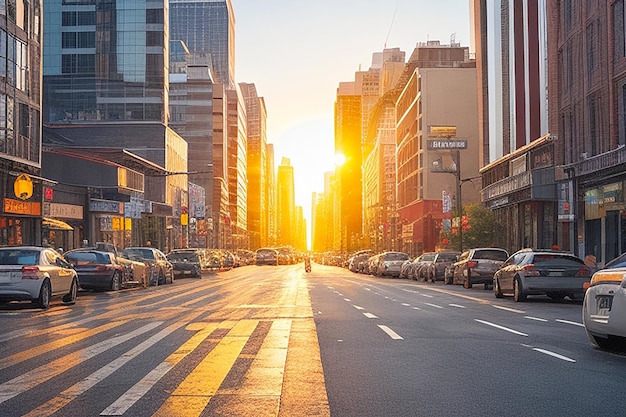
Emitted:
<point x="508" y="270"/>
<point x="459" y="267"/>
<point x="60" y="272"/>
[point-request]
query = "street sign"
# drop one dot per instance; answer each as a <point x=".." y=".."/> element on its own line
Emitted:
<point x="446" y="144"/>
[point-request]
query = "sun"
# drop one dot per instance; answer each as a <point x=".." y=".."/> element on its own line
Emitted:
<point x="340" y="159"/>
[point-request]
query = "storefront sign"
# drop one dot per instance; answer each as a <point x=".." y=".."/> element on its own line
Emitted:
<point x="22" y="207"/>
<point x="441" y="131"/>
<point x="63" y="211"/>
<point x="508" y="185"/>
<point x="435" y="145"/>
<point x="106" y="206"/>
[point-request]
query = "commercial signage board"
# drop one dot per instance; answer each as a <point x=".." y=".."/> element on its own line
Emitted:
<point x="442" y="144"/>
<point x="441" y="131"/>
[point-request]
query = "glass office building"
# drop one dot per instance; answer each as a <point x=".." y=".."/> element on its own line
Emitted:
<point x="207" y="26"/>
<point x="105" y="61"/>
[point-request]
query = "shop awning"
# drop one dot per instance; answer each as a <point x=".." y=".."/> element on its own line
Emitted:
<point x="55" y="224"/>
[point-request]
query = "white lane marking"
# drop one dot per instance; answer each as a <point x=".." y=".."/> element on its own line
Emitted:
<point x="406" y="304"/>
<point x="433" y="305"/>
<point x="391" y="333"/>
<point x="346" y="299"/>
<point x="411" y="291"/>
<point x="555" y="355"/>
<point x="535" y="318"/>
<point x="456" y="305"/>
<point x="416" y="308"/>
<point x="358" y="307"/>
<point x="370" y="315"/>
<point x="427" y="295"/>
<point x="37" y="376"/>
<point x="368" y="289"/>
<point x="573" y="323"/>
<point x="89" y="382"/>
<point x="501" y="327"/>
<point x="512" y="310"/>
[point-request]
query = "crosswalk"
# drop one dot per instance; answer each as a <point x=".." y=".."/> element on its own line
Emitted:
<point x="168" y="354"/>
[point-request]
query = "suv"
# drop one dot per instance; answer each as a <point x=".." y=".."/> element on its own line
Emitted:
<point x="477" y="266"/>
<point x="554" y="273"/>
<point x="437" y="267"/>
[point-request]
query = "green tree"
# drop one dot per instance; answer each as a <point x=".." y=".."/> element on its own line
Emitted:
<point x="479" y="229"/>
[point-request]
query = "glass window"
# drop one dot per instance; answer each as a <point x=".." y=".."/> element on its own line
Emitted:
<point x="86" y="39"/>
<point x="68" y="39"/>
<point x="86" y="18"/>
<point x="68" y="19"/>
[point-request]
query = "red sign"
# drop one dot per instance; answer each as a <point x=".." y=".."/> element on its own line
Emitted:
<point x="48" y="193"/>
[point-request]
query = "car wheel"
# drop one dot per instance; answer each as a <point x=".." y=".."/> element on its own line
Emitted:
<point x="497" y="291"/>
<point x="170" y="278"/>
<point x="601" y="342"/>
<point x="70" y="297"/>
<point x="447" y="280"/>
<point x="116" y="282"/>
<point x="197" y="272"/>
<point x="43" y="301"/>
<point x="518" y="292"/>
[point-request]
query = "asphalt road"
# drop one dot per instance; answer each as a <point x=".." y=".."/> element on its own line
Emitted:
<point x="276" y="341"/>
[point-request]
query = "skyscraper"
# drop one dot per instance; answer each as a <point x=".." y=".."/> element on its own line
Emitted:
<point x="286" y="206"/>
<point x="207" y="26"/>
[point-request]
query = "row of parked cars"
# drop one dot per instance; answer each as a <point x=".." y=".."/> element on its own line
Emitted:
<point x="527" y="272"/>
<point x="36" y="274"/>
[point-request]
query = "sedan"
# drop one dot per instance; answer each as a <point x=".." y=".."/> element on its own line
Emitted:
<point x="31" y="273"/>
<point x="96" y="270"/>
<point x="160" y="270"/>
<point x="604" y="306"/>
<point x="188" y="261"/>
<point x="542" y="272"/>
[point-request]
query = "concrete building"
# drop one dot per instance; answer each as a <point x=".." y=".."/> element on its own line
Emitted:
<point x="518" y="172"/>
<point x="256" y="115"/>
<point x="285" y="205"/>
<point x="20" y="123"/>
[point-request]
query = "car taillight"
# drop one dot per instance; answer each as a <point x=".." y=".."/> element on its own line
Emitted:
<point x="472" y="264"/>
<point x="583" y="271"/>
<point x="101" y="268"/>
<point x="30" y="272"/>
<point x="530" y="271"/>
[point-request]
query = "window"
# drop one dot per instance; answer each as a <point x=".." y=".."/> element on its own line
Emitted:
<point x="68" y="40"/>
<point x="86" y="39"/>
<point x="86" y="18"/>
<point x="68" y="19"/>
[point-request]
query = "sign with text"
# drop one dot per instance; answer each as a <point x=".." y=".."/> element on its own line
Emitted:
<point x="441" y="131"/>
<point x="436" y="145"/>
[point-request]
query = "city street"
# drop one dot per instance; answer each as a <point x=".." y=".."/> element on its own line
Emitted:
<point x="276" y="341"/>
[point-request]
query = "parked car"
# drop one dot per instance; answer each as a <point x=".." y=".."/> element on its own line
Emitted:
<point x="215" y="259"/>
<point x="36" y="274"/>
<point x="188" y="261"/>
<point x="416" y="269"/>
<point x="436" y="269"/>
<point x="389" y="264"/>
<point x="160" y="270"/>
<point x="355" y="261"/>
<point x="266" y="256"/>
<point x="97" y="270"/>
<point x="548" y="272"/>
<point x="405" y="267"/>
<point x="604" y="305"/>
<point x="477" y="266"/>
<point x="134" y="271"/>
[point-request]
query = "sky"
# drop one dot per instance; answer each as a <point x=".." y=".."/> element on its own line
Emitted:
<point x="297" y="52"/>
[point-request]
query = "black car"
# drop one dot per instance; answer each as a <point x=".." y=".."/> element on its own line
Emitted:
<point x="477" y="266"/>
<point x="97" y="270"/>
<point x="187" y="262"/>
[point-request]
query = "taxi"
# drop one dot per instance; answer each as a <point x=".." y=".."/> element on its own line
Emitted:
<point x="604" y="306"/>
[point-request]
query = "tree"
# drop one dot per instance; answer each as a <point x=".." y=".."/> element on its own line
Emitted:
<point x="479" y="229"/>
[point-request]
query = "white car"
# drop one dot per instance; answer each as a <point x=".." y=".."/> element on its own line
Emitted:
<point x="32" y="273"/>
<point x="604" y="307"/>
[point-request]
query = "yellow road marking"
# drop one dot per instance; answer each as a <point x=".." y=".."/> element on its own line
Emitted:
<point x="194" y="393"/>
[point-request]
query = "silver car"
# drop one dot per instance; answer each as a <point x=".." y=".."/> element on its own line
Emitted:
<point x="390" y="263"/>
<point x="32" y="273"/>
<point x="604" y="307"/>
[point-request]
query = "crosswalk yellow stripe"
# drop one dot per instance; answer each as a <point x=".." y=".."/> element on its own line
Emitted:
<point x="194" y="393"/>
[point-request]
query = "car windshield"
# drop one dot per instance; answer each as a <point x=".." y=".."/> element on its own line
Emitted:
<point x="396" y="257"/>
<point x="447" y="257"/>
<point x="494" y="255"/>
<point x="84" y="258"/>
<point x="619" y="262"/>
<point x="192" y="256"/>
<point x="547" y="260"/>
<point x="138" y="252"/>
<point x="19" y="257"/>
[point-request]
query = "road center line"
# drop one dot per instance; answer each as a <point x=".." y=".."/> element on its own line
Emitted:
<point x="501" y="327"/>
<point x="535" y="318"/>
<point x="433" y="305"/>
<point x="456" y="305"/>
<point x="391" y="333"/>
<point x="555" y="355"/>
<point x="358" y="307"/>
<point x="370" y="315"/>
<point x="512" y="310"/>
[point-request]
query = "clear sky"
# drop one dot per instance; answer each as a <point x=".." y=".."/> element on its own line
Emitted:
<point x="297" y="52"/>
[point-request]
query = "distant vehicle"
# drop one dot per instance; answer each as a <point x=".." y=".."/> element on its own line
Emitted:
<point x="188" y="261"/>
<point x="160" y="270"/>
<point x="548" y="272"/>
<point x="36" y="274"/>
<point x="435" y="270"/>
<point x="417" y="270"/>
<point x="604" y="305"/>
<point x="354" y="264"/>
<point x="97" y="270"/>
<point x="477" y="266"/>
<point x="390" y="263"/>
<point x="266" y="256"/>
<point x="214" y="259"/>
